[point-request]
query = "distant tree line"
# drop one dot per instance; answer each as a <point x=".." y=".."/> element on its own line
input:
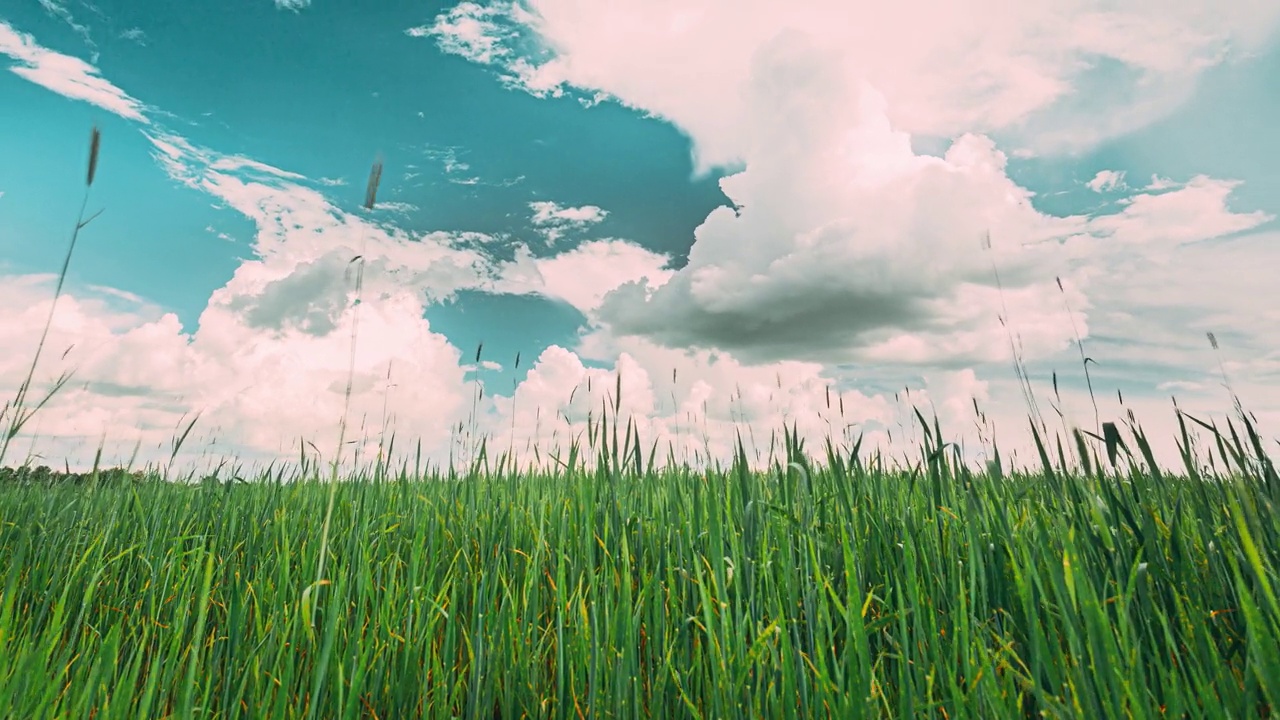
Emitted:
<point x="44" y="475"/>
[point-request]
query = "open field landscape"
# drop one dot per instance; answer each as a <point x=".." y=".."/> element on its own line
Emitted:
<point x="831" y="360"/>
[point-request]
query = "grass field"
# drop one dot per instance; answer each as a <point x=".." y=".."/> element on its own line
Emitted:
<point x="833" y="589"/>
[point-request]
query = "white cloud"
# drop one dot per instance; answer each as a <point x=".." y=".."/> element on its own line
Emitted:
<point x="1107" y="181"/>
<point x="258" y="391"/>
<point x="402" y="208"/>
<point x="690" y="403"/>
<point x="470" y="30"/>
<point x="241" y="163"/>
<point x="582" y="277"/>
<point x="844" y="239"/>
<point x="1197" y="210"/>
<point x="267" y="365"/>
<point x="844" y="245"/>
<point x="68" y="76"/>
<point x="549" y="213"/>
<point x="1032" y="69"/>
<point x="294" y="5"/>
<point x="554" y="221"/>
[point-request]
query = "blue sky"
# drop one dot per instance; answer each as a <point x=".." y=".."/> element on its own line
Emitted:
<point x="778" y="202"/>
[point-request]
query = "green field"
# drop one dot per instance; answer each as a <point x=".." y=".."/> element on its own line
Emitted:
<point x="823" y="588"/>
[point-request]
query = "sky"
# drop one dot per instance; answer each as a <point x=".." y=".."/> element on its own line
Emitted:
<point x="820" y="213"/>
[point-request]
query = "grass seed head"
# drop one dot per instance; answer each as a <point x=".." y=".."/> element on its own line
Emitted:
<point x="95" y="139"/>
<point x="371" y="192"/>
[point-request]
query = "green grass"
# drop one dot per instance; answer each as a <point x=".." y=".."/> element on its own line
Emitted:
<point x="813" y="590"/>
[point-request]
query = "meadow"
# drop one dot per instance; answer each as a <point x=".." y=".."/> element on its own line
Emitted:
<point x="829" y="584"/>
<point x="833" y="589"/>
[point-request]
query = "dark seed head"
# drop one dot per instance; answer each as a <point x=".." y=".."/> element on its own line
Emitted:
<point x="371" y="192"/>
<point x="94" y="141"/>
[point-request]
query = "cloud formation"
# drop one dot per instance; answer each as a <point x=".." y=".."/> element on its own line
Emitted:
<point x="585" y="275"/>
<point x="846" y="249"/>
<point x="554" y="221"/>
<point x="66" y="75"/>
<point x="60" y="10"/>
<point x="1107" y="181"/>
<point x="1054" y="76"/>
<point x="844" y="244"/>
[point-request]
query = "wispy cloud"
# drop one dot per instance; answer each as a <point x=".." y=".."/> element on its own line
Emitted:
<point x="294" y="5"/>
<point x="473" y="31"/>
<point x="135" y="35"/>
<point x="401" y="208"/>
<point x="553" y="221"/>
<point x="66" y="75"/>
<point x="59" y="10"/>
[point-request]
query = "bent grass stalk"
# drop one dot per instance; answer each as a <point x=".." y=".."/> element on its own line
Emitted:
<point x="18" y="410"/>
<point x="1019" y="368"/>
<point x="371" y="193"/>
<point x="1084" y="361"/>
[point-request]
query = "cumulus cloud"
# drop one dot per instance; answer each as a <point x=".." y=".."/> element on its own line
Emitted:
<point x="694" y="405"/>
<point x="583" y="276"/>
<point x="843" y="244"/>
<point x="841" y="233"/>
<point x="267" y="366"/>
<point x="260" y="394"/>
<point x="66" y="75"/>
